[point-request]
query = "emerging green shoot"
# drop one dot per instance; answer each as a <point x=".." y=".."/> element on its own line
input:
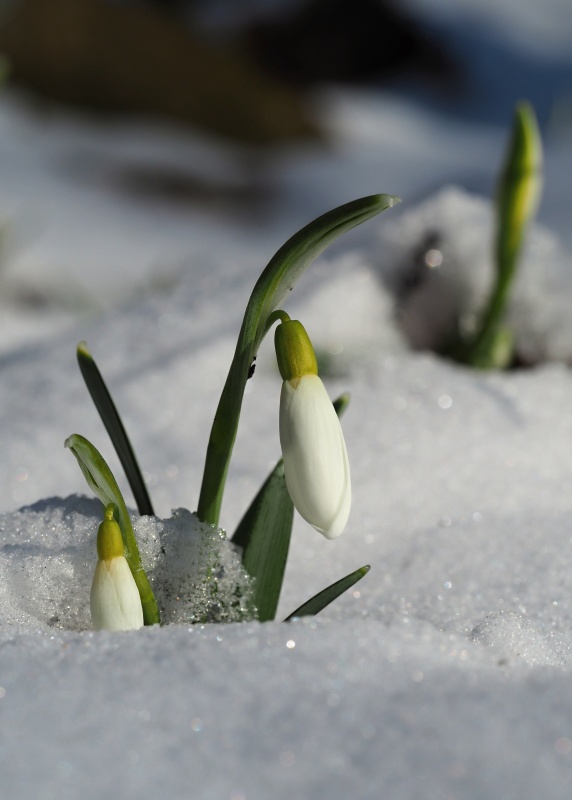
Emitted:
<point x="518" y="196"/>
<point x="101" y="481"/>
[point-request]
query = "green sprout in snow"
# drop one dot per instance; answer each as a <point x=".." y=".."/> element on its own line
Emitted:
<point x="491" y="345"/>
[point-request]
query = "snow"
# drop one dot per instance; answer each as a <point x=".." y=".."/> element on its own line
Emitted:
<point x="446" y="666"/>
<point x="446" y="671"/>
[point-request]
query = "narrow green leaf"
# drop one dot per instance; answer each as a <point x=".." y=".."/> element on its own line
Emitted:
<point x="264" y="535"/>
<point x="276" y="281"/>
<point x="518" y="196"/>
<point x="114" y="426"/>
<point x="327" y="596"/>
<point x="101" y="481"/>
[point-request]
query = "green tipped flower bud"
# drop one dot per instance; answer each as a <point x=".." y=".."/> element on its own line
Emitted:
<point x="294" y="351"/>
<point x="316" y="464"/>
<point x="109" y="539"/>
<point x="115" y="602"/>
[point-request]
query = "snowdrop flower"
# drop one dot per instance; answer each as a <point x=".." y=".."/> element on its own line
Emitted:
<point x="315" y="459"/>
<point x="115" y="602"/>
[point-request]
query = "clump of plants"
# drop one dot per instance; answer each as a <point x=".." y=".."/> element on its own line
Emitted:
<point x="312" y="476"/>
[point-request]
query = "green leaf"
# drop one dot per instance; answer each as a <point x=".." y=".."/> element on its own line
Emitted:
<point x="114" y="426"/>
<point x="264" y="535"/>
<point x="326" y="596"/>
<point x="276" y="281"/>
<point x="101" y="481"/>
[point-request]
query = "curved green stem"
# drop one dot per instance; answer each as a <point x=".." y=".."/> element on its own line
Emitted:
<point x="276" y="281"/>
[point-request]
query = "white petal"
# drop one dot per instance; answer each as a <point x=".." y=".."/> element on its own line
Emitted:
<point x="315" y="458"/>
<point x="115" y="601"/>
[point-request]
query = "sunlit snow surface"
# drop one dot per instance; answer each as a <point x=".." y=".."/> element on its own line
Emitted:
<point x="445" y="673"/>
<point x="447" y="666"/>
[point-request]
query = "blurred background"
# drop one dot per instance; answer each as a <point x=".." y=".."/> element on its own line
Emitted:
<point x="141" y="140"/>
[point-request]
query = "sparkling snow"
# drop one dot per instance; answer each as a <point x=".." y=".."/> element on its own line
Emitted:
<point x="444" y="673"/>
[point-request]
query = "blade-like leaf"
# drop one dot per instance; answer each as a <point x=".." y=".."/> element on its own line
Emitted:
<point x="114" y="426"/>
<point x="326" y="596"/>
<point x="275" y="282"/>
<point x="264" y="535"/>
<point x="100" y="479"/>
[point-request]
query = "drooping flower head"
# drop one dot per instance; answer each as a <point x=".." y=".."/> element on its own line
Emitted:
<point x="316" y="464"/>
<point x="115" y="602"/>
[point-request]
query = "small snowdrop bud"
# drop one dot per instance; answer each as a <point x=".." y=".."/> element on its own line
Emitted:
<point x="315" y="459"/>
<point x="520" y="184"/>
<point x="114" y="600"/>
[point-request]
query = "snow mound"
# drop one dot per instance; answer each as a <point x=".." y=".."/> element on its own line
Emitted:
<point x="196" y="574"/>
<point x="48" y="556"/>
<point x="437" y="261"/>
<point x="516" y="638"/>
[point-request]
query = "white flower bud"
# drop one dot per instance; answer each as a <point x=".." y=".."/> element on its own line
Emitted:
<point x="115" y="602"/>
<point x="315" y="459"/>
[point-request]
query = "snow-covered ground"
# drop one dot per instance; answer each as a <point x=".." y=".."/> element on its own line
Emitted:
<point x="446" y="672"/>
